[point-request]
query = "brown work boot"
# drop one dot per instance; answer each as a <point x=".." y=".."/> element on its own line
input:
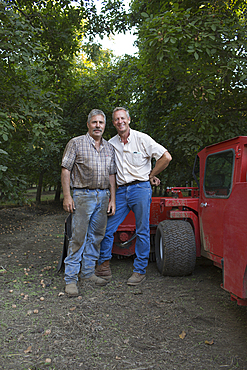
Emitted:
<point x="96" y="280"/>
<point x="104" y="271"/>
<point x="136" y="278"/>
<point x="71" y="290"/>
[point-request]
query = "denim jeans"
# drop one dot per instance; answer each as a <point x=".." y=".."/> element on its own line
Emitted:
<point x="137" y="198"/>
<point x="88" y="228"/>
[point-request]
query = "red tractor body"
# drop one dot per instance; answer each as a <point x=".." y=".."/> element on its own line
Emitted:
<point x="209" y="220"/>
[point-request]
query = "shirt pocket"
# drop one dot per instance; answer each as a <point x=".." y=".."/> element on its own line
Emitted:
<point x="107" y="162"/>
<point x="137" y="158"/>
<point x="86" y="166"/>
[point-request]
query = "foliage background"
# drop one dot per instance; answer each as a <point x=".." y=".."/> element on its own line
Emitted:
<point x="186" y="87"/>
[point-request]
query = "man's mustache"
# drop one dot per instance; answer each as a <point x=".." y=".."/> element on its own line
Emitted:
<point x="97" y="129"/>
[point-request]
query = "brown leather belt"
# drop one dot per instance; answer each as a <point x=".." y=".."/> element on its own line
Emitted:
<point x="131" y="183"/>
<point x="90" y="188"/>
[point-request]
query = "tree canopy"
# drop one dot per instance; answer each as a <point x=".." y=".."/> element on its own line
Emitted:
<point x="193" y="64"/>
<point x="186" y="87"/>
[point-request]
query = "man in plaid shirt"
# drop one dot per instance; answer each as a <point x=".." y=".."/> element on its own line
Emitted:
<point x="88" y="167"/>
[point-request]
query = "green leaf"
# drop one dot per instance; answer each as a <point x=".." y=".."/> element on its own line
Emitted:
<point x="3" y="151"/>
<point x="3" y="168"/>
<point x="196" y="55"/>
<point x="160" y="56"/>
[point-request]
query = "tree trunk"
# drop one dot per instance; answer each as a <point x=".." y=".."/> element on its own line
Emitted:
<point x="39" y="188"/>
<point x="58" y="192"/>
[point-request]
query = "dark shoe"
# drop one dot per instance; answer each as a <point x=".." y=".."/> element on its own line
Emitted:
<point x="71" y="290"/>
<point x="104" y="271"/>
<point x="96" y="280"/>
<point x="136" y="278"/>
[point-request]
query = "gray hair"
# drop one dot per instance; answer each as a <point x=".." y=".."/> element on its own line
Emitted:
<point x="121" y="108"/>
<point x="96" y="112"/>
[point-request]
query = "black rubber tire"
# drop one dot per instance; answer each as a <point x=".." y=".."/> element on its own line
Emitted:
<point x="175" y="248"/>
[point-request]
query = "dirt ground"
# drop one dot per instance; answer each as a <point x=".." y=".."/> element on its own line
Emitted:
<point x="166" y="323"/>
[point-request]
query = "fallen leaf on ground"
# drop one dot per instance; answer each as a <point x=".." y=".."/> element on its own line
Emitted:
<point x="28" y="349"/>
<point x="182" y="335"/>
<point x="209" y="343"/>
<point x="72" y="308"/>
<point x="20" y="337"/>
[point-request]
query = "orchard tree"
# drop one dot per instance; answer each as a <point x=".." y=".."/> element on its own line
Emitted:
<point x="102" y="84"/>
<point x="26" y="109"/>
<point x="41" y="85"/>
<point x="193" y="67"/>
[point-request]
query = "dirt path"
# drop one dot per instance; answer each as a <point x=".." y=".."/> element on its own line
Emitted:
<point x="167" y="323"/>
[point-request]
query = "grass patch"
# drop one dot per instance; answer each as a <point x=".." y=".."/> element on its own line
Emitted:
<point x="29" y="197"/>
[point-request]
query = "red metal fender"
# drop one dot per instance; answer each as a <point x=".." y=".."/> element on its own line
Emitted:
<point x="193" y="219"/>
<point x="235" y="243"/>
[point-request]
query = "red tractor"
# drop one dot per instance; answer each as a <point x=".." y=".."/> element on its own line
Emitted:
<point x="209" y="220"/>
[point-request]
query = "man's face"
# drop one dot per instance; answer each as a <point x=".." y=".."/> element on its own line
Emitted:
<point x="121" y="122"/>
<point x="96" y="127"/>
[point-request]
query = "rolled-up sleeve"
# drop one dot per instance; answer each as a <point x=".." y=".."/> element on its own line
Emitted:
<point x="152" y="148"/>
<point x="113" y="167"/>
<point x="69" y="155"/>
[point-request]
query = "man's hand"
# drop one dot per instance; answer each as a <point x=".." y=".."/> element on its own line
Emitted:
<point x="111" y="208"/>
<point x="154" y="180"/>
<point x="68" y="204"/>
<point x="112" y="203"/>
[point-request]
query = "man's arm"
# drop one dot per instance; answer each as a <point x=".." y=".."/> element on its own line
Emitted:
<point x="68" y="203"/>
<point x="112" y="204"/>
<point x="160" y="165"/>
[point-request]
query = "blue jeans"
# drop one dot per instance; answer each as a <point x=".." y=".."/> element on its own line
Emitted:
<point x="88" y="228"/>
<point x="137" y="198"/>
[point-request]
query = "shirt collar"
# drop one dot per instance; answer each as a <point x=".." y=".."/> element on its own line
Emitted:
<point x="92" y="141"/>
<point x="128" y="138"/>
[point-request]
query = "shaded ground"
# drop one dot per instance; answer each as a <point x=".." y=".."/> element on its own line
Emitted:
<point x="166" y="323"/>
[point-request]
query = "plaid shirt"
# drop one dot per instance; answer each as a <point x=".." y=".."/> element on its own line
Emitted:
<point x="89" y="168"/>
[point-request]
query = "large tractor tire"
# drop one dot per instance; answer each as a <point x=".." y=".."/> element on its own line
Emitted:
<point x="175" y="248"/>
